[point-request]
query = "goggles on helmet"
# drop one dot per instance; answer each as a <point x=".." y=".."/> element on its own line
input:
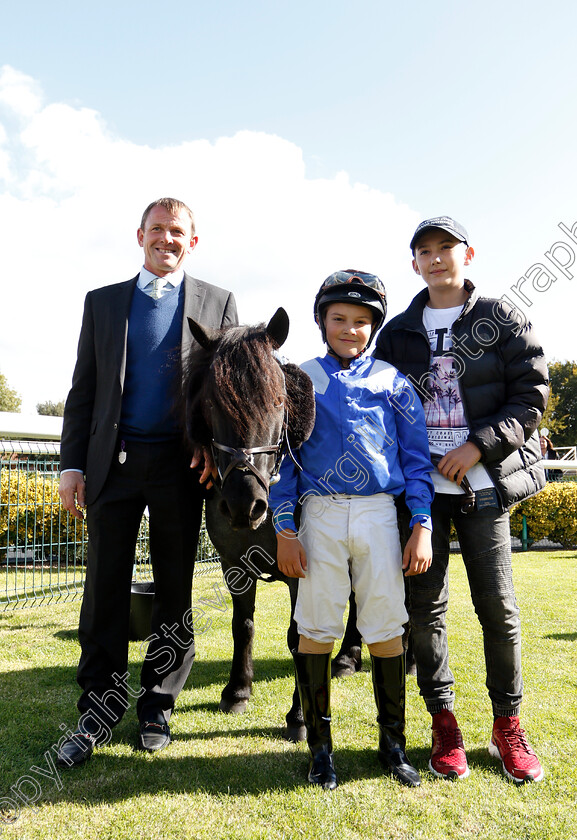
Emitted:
<point x="340" y="278"/>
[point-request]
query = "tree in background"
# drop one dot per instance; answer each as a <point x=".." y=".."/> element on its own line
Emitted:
<point x="51" y="409"/>
<point x="9" y="399"/>
<point x="561" y="414"/>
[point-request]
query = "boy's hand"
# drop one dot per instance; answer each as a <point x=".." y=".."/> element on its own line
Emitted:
<point x="290" y="555"/>
<point x="418" y="553"/>
<point x="456" y="463"/>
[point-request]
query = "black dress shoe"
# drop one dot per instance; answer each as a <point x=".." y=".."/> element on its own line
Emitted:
<point x="153" y="736"/>
<point x="76" y="749"/>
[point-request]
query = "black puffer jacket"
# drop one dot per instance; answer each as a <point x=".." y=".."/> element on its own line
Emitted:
<point x="503" y="380"/>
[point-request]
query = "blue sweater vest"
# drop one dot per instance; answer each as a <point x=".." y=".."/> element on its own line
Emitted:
<point x="152" y="366"/>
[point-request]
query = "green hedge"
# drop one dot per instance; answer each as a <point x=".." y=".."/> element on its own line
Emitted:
<point x="32" y="517"/>
<point x="551" y="514"/>
<point x="31" y="513"/>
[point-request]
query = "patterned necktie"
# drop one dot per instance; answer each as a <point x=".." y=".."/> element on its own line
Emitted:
<point x="155" y="288"/>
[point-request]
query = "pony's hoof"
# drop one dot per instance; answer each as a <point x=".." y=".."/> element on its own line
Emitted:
<point x="236" y="707"/>
<point x="295" y="733"/>
<point x="345" y="665"/>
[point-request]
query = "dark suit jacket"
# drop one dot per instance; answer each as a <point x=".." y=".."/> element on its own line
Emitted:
<point x="93" y="407"/>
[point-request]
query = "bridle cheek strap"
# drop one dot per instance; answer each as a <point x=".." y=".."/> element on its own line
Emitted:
<point x="243" y="460"/>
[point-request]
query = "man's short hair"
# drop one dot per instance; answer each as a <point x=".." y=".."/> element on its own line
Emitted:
<point x="173" y="205"/>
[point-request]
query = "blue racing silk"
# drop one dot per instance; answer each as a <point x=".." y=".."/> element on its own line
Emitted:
<point x="369" y="437"/>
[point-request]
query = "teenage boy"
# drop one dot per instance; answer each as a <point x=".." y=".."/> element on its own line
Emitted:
<point x="369" y="444"/>
<point x="482" y="377"/>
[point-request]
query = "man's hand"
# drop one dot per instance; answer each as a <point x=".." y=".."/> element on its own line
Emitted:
<point x="202" y="460"/>
<point x="72" y="492"/>
<point x="457" y="462"/>
<point x="418" y="553"/>
<point x="290" y="556"/>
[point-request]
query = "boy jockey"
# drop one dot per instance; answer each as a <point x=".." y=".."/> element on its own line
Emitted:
<point x="368" y="445"/>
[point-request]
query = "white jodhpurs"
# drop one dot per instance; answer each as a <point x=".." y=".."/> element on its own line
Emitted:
<point x="351" y="540"/>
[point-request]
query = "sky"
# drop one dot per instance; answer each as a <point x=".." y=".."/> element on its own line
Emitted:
<point x="306" y="136"/>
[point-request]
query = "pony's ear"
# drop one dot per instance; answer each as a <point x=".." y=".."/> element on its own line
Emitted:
<point x="204" y="335"/>
<point x="278" y="327"/>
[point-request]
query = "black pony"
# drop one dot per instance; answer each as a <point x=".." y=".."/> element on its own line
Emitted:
<point x="251" y="410"/>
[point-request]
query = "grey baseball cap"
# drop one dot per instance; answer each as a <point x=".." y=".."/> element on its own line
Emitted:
<point x="444" y="223"/>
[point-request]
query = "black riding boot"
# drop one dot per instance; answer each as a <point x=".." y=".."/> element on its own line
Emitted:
<point x="389" y="687"/>
<point x="313" y="673"/>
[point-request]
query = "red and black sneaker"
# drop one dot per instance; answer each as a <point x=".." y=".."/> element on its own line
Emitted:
<point x="448" y="757"/>
<point x="509" y="743"/>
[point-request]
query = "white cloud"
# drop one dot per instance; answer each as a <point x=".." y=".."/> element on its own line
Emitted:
<point x="19" y="92"/>
<point x="72" y="194"/>
<point x="70" y="210"/>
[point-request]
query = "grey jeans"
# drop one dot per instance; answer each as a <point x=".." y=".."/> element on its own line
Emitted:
<point x="485" y="542"/>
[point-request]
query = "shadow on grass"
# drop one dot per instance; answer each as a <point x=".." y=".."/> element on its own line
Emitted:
<point x="37" y="705"/>
<point x="67" y="635"/>
<point x="107" y="779"/>
<point x="562" y="637"/>
<point x="7" y="625"/>
<point x="35" y="702"/>
<point x="103" y="779"/>
<point x="479" y="759"/>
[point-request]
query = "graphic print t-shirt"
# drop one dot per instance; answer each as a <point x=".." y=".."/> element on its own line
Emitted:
<point x="446" y="424"/>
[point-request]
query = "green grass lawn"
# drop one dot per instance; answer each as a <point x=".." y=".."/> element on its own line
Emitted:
<point x="235" y="777"/>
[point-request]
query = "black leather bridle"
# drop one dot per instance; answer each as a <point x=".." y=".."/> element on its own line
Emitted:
<point x="243" y="458"/>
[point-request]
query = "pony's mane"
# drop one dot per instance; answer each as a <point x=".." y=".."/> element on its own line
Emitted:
<point x="245" y="380"/>
<point x="239" y="375"/>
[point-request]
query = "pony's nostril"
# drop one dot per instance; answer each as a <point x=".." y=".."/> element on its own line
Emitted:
<point x="258" y="510"/>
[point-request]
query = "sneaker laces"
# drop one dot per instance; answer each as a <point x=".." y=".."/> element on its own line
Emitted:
<point x="516" y="739"/>
<point x="449" y="739"/>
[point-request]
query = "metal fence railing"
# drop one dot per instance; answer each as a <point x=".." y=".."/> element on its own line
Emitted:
<point x="42" y="548"/>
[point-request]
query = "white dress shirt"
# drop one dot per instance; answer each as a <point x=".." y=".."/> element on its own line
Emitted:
<point x="165" y="284"/>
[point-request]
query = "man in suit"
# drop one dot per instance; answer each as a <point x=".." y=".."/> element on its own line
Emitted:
<point x="122" y="451"/>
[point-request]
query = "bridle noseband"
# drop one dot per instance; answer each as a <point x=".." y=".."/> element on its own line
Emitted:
<point x="243" y="460"/>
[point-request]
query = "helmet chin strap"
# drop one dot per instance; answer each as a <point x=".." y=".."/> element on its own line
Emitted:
<point x="341" y="359"/>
